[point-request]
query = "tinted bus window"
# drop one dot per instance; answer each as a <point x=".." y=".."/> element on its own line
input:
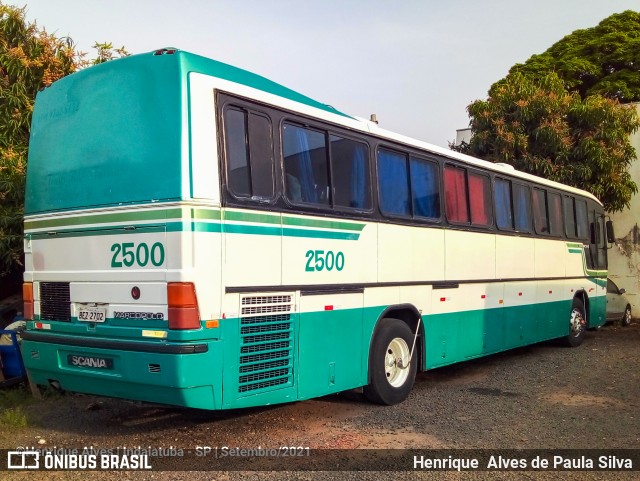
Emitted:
<point x="581" y="219"/>
<point x="568" y="204"/>
<point x="235" y="134"/>
<point x="555" y="214"/>
<point x="425" y="188"/>
<point x="249" y="154"/>
<point x="350" y="173"/>
<point x="503" y="205"/>
<point x="480" y="199"/>
<point x="540" y="220"/>
<point x="393" y="183"/>
<point x="305" y="165"/>
<point x="522" y="208"/>
<point x="455" y="195"/>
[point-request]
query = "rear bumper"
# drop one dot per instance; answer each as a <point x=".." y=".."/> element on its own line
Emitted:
<point x="182" y="374"/>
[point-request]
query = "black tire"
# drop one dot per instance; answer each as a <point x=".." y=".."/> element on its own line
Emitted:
<point x="577" y="324"/>
<point x="626" y="318"/>
<point x="389" y="382"/>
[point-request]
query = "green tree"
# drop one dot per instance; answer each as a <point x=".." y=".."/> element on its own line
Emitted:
<point x="602" y="60"/>
<point x="30" y="59"/>
<point x="541" y="128"/>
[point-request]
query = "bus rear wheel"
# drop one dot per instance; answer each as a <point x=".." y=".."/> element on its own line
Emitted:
<point x="392" y="372"/>
<point x="577" y="324"/>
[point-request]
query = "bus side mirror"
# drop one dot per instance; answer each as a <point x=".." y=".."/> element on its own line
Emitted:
<point x="592" y="232"/>
<point x="611" y="238"/>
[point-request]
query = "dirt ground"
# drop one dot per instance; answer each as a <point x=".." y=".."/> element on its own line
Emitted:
<point x="538" y="397"/>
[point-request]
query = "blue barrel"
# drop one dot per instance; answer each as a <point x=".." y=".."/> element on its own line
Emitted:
<point x="12" y="365"/>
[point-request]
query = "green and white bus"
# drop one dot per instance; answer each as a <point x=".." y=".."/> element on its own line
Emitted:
<point x="198" y="235"/>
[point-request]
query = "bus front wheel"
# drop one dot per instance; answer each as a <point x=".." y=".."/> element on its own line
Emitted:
<point x="577" y="324"/>
<point x="391" y="369"/>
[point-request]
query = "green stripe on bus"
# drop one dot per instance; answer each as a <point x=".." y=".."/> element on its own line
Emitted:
<point x="211" y="214"/>
<point x="97" y="231"/>
<point x="207" y="214"/>
<point x="109" y="218"/>
<point x="575" y="251"/>
<point x="326" y="224"/>
<point x="574" y="245"/>
<point x="190" y="226"/>
<point x="252" y="217"/>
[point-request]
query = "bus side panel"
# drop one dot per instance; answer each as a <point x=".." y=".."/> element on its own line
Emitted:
<point x="332" y="325"/>
<point x="318" y="251"/>
<point x="252" y="249"/>
<point x="409" y="254"/>
<point x="469" y="255"/>
<point x="520" y="313"/>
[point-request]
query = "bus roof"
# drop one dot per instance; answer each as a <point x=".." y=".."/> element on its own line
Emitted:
<point x="141" y="79"/>
<point x="196" y="63"/>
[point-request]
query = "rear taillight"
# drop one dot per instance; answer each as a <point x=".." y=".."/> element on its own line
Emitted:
<point x="27" y="297"/>
<point x="183" y="306"/>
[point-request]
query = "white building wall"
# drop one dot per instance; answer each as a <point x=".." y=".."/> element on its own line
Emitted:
<point x="624" y="257"/>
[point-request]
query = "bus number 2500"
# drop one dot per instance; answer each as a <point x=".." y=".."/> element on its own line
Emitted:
<point x="128" y="253"/>
<point x="320" y="260"/>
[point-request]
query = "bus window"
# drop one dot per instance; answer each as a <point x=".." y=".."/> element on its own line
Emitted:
<point x="582" y="223"/>
<point x="305" y="165"/>
<point x="393" y="183"/>
<point x="601" y="240"/>
<point x="455" y="194"/>
<point x="237" y="153"/>
<point x="555" y="214"/>
<point x="522" y="208"/>
<point x="249" y="154"/>
<point x="425" y="188"/>
<point x="540" y="219"/>
<point x="568" y="204"/>
<point x="261" y="156"/>
<point x="503" y="205"/>
<point x="350" y="173"/>
<point x="480" y="199"/>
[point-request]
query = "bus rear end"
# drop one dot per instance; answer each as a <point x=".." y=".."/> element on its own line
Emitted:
<point x="110" y="289"/>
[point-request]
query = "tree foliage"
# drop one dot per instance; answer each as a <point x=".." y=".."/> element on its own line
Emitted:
<point x="602" y="60"/>
<point x="541" y="128"/>
<point x="30" y="59"/>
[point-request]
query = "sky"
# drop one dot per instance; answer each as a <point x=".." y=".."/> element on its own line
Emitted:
<point x="416" y="64"/>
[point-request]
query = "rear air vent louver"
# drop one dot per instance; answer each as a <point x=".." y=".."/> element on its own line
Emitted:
<point x="55" y="301"/>
<point x="266" y="343"/>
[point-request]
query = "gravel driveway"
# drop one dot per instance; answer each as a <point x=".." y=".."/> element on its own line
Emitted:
<point x="538" y="397"/>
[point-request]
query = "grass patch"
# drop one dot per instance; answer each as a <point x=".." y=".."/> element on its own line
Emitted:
<point x="13" y="417"/>
<point x="15" y="397"/>
<point x="12" y="403"/>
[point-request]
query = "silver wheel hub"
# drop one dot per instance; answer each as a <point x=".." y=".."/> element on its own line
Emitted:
<point x="577" y="323"/>
<point x="396" y="362"/>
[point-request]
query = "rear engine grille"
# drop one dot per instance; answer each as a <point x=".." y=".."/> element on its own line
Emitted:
<point x="55" y="301"/>
<point x="266" y="343"/>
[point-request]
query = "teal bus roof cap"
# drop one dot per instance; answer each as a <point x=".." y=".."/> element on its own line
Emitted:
<point x="207" y="66"/>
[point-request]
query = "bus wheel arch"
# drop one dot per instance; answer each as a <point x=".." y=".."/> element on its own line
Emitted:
<point x="391" y="369"/>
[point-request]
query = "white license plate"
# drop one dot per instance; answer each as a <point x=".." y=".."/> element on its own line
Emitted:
<point x="92" y="314"/>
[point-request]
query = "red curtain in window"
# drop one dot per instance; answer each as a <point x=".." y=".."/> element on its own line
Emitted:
<point x="455" y="192"/>
<point x="478" y="188"/>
